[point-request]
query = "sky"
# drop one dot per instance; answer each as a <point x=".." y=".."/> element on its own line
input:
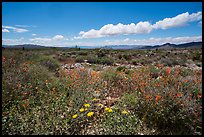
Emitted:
<point x="101" y="23"/>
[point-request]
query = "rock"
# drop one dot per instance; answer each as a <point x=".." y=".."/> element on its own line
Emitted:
<point x="97" y="95"/>
<point x="133" y="66"/>
<point x="66" y="66"/>
<point x="72" y="66"/>
<point x="116" y="64"/>
<point x="128" y="66"/>
<point x="105" y="67"/>
<point x="90" y="70"/>
<point x="158" y="77"/>
<point x="89" y="64"/>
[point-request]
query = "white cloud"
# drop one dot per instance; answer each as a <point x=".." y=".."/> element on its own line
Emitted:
<point x="34" y="34"/>
<point x="155" y="41"/>
<point x="48" y="41"/>
<point x="112" y="30"/>
<point x="5" y="30"/>
<point x="141" y="27"/>
<point x="7" y="27"/>
<point x="18" y="30"/>
<point x="12" y="41"/>
<point x="200" y="23"/>
<point x="127" y="39"/>
<point x="40" y="39"/>
<point x="22" y="26"/>
<point x="179" y="20"/>
<point x="58" y="37"/>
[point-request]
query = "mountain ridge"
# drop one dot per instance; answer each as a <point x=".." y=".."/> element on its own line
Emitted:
<point x="140" y="47"/>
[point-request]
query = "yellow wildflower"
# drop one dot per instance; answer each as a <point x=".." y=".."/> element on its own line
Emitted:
<point x="74" y="116"/>
<point x="108" y="110"/>
<point x="87" y="105"/>
<point x="124" y="112"/>
<point x="81" y="110"/>
<point x="90" y="114"/>
<point x="94" y="99"/>
<point x="100" y="105"/>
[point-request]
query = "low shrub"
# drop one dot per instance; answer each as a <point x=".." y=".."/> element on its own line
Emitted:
<point x="49" y="62"/>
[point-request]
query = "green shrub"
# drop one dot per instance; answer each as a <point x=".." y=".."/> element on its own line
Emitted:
<point x="92" y="59"/>
<point x="49" y="62"/>
<point x="197" y="56"/>
<point x="79" y="59"/>
<point x="135" y="62"/>
<point x="106" y="61"/>
<point x="121" y="68"/>
<point x="127" y="56"/>
<point x="83" y="53"/>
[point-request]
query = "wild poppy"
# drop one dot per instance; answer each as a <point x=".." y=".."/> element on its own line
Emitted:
<point x="158" y="97"/>
<point x="178" y="95"/>
<point x="168" y="70"/>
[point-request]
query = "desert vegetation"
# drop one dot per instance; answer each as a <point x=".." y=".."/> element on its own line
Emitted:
<point x="101" y="92"/>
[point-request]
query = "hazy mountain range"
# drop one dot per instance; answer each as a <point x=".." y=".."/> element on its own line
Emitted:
<point x="142" y="47"/>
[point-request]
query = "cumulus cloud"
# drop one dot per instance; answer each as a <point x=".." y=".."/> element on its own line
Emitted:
<point x="18" y="30"/>
<point x="112" y="30"/>
<point x="58" y="37"/>
<point x="34" y="34"/>
<point x="141" y="27"/>
<point x="5" y="30"/>
<point x="179" y="20"/>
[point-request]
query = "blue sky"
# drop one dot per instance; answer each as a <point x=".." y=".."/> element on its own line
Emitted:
<point x="101" y="23"/>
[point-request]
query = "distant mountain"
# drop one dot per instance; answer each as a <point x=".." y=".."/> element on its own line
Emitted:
<point x="32" y="46"/>
<point x="191" y="44"/>
<point x="164" y="46"/>
<point x="171" y="46"/>
<point x="122" y="46"/>
<point x="139" y="47"/>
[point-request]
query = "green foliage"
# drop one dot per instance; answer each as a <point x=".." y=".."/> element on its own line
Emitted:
<point x="121" y="68"/>
<point x="135" y="62"/>
<point x="127" y="56"/>
<point x="83" y="53"/>
<point x="197" y="56"/>
<point x="49" y="62"/>
<point x="79" y="59"/>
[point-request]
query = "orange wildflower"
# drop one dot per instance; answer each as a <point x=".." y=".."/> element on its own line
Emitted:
<point x="178" y="95"/>
<point x="185" y="81"/>
<point x="158" y="97"/>
<point x="24" y="105"/>
<point x="199" y="95"/>
<point x="148" y="97"/>
<point x="168" y="70"/>
<point x="160" y="65"/>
